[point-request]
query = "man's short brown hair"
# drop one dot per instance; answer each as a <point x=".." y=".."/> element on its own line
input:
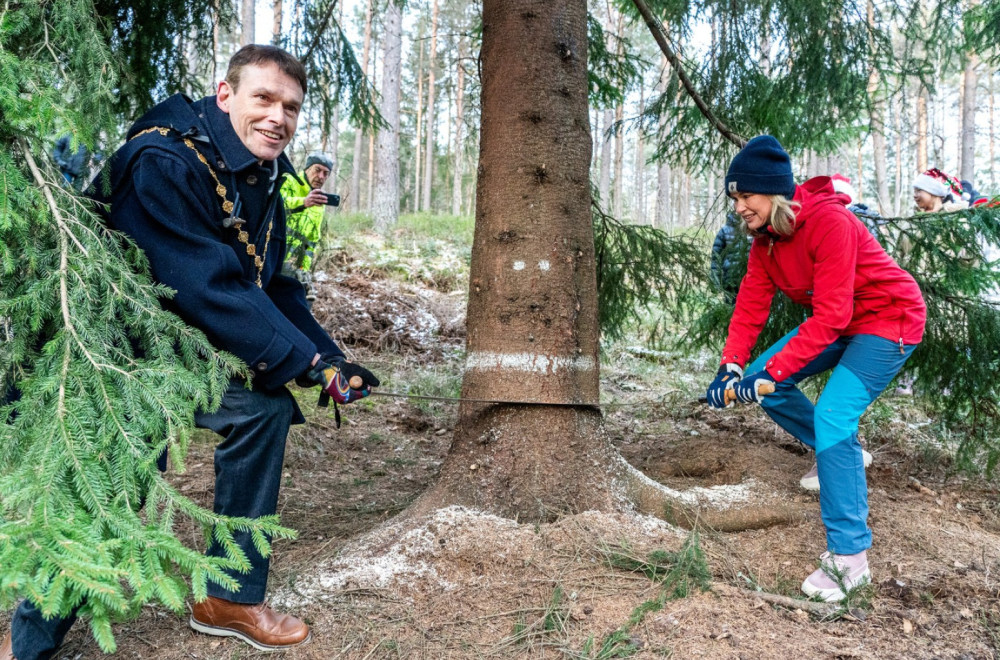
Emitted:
<point x="257" y="55"/>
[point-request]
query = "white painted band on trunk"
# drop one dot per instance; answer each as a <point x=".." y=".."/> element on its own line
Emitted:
<point x="527" y="362"/>
<point x="518" y="265"/>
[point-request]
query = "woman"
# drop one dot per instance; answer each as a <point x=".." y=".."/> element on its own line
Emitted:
<point x="867" y="317"/>
<point x="935" y="191"/>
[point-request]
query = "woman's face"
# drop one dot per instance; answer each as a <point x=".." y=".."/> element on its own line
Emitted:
<point x="927" y="202"/>
<point x="754" y="208"/>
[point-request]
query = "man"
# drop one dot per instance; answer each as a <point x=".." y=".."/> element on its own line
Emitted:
<point x="305" y="204"/>
<point x="195" y="187"/>
<point x="730" y="251"/>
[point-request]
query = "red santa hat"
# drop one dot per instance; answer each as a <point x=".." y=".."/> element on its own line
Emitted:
<point x="843" y="185"/>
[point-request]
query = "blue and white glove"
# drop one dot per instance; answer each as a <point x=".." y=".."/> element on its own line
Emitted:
<point x="754" y="387"/>
<point x="729" y="374"/>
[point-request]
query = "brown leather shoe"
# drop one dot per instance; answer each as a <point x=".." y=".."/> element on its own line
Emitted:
<point x="7" y="650"/>
<point x="257" y="625"/>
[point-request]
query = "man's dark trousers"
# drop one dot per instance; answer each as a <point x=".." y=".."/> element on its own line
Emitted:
<point x="254" y="426"/>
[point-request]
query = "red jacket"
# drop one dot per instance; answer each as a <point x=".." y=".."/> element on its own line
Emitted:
<point x="832" y="265"/>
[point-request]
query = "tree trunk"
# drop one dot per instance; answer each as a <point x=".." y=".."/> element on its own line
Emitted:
<point x="385" y="201"/>
<point x="276" y="10"/>
<point x="247" y="22"/>
<point x="900" y="145"/>
<point x="617" y="194"/>
<point x="356" y="160"/>
<point x="419" y="128"/>
<point x="370" y="181"/>
<point x="922" y="129"/>
<point x="877" y="126"/>
<point x="431" y="114"/>
<point x="662" y="219"/>
<point x="993" y="136"/>
<point x="640" y="166"/>
<point x="532" y="316"/>
<point x="967" y="160"/>
<point x="458" y="151"/>
<point x="604" y="183"/>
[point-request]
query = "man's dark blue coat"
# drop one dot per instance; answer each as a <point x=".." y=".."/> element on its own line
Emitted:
<point x="165" y="199"/>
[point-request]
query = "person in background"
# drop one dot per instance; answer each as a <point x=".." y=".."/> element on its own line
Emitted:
<point x="867" y="317"/>
<point x="729" y="252"/>
<point x="870" y="217"/>
<point x="935" y="191"/>
<point x="72" y="164"/>
<point x="195" y="187"/>
<point x="305" y="205"/>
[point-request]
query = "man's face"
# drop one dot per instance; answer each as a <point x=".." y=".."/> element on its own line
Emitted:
<point x="317" y="175"/>
<point x="264" y="110"/>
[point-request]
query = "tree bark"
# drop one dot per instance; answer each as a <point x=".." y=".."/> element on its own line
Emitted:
<point x="457" y="150"/>
<point x="355" y="191"/>
<point x="419" y="128"/>
<point x="385" y="201"/>
<point x="639" y="179"/>
<point x="431" y="114"/>
<point x="967" y="161"/>
<point x="604" y="182"/>
<point x="922" y="129"/>
<point x="617" y="193"/>
<point x="532" y="319"/>
<point x="276" y="11"/>
<point x="247" y="22"/>
<point x="662" y="219"/>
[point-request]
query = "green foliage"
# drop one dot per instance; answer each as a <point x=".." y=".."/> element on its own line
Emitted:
<point x="332" y="69"/>
<point x="677" y="572"/>
<point x="612" y="68"/>
<point x="641" y="268"/>
<point x="106" y="381"/>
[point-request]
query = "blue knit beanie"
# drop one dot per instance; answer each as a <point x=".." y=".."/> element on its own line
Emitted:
<point x="761" y="167"/>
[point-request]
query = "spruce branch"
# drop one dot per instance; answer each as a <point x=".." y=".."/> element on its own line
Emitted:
<point x="659" y="34"/>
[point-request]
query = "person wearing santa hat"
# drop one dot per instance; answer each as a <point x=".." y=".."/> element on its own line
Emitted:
<point x="935" y="191"/>
<point x="867" y="317"/>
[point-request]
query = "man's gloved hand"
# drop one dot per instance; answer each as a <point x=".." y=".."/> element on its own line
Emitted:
<point x="754" y="387"/>
<point x="344" y="381"/>
<point x="729" y="374"/>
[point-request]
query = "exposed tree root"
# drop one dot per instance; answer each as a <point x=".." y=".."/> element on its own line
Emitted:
<point x="654" y="499"/>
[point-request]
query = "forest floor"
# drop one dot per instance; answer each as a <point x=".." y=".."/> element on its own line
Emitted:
<point x="466" y="584"/>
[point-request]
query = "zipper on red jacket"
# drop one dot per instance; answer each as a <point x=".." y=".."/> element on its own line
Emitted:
<point x="769" y="247"/>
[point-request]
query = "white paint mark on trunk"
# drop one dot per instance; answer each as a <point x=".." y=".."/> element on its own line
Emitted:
<point x="527" y="362"/>
<point x="543" y="265"/>
<point x="518" y="265"/>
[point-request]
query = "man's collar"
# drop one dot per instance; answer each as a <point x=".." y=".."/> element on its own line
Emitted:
<point x="220" y="131"/>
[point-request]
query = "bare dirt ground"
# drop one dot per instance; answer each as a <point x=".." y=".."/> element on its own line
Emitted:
<point x="465" y="584"/>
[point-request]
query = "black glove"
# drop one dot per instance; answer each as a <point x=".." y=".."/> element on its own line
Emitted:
<point x="729" y="374"/>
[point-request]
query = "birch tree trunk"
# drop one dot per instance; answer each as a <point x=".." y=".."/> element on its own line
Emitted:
<point x="357" y="157"/>
<point x="385" y="201"/>
<point x="431" y="114"/>
<point x="877" y="126"/>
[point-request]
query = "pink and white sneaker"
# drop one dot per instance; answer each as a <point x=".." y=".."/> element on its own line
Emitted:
<point x="852" y="571"/>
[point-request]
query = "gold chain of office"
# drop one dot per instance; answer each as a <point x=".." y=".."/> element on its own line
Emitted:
<point x="227" y="206"/>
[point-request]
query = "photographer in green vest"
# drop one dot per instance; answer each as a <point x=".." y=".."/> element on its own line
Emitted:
<point x="305" y="204"/>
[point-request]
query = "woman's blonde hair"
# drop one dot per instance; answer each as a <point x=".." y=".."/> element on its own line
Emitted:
<point x="782" y="215"/>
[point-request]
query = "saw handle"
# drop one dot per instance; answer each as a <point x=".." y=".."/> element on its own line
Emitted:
<point x="762" y="390"/>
